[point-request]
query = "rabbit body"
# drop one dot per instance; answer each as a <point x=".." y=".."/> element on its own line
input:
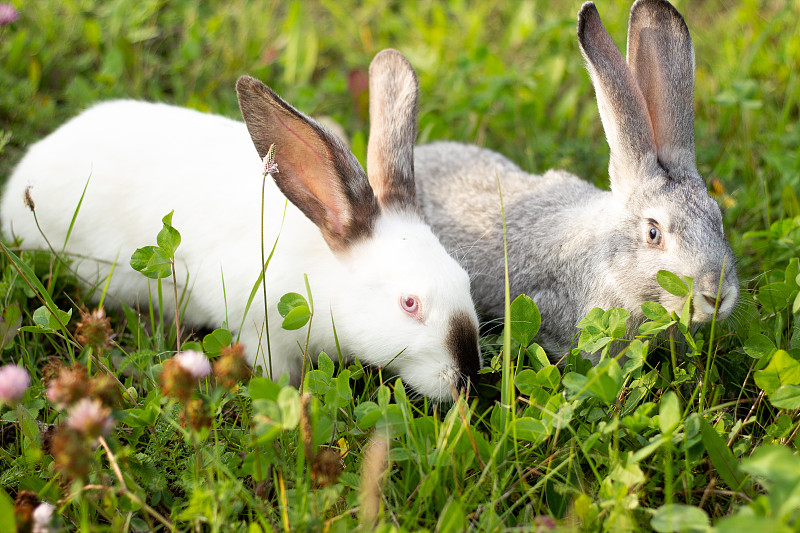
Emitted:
<point x="167" y="153"/>
<point x="362" y="257"/>
<point x="572" y="246"/>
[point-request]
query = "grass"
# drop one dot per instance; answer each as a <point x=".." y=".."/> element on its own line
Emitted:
<point x="709" y="443"/>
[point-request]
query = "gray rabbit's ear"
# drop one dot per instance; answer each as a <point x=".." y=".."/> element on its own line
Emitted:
<point x="315" y="170"/>
<point x="661" y="58"/>
<point x="393" y="92"/>
<point x="620" y="102"/>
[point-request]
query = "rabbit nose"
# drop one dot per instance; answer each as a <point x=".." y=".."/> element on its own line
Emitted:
<point x="712" y="299"/>
<point x="462" y="343"/>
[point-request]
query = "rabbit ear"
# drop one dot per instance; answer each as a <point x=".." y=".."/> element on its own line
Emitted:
<point x="661" y="58"/>
<point x="316" y="172"/>
<point x="393" y="92"/>
<point x="620" y="102"/>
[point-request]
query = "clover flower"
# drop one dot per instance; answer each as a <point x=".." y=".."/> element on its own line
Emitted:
<point x="14" y="381"/>
<point x="70" y="456"/>
<point x="231" y="366"/>
<point x="195" y="415"/>
<point x="8" y="14"/>
<point x="43" y="518"/>
<point x="24" y="506"/>
<point x="70" y="384"/>
<point x="90" y="418"/>
<point x="181" y="373"/>
<point x="94" y="329"/>
<point x="195" y="363"/>
<point x="175" y="381"/>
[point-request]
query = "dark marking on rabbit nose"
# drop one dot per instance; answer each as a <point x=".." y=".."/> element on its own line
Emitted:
<point x="462" y="343"/>
<point x="712" y="299"/>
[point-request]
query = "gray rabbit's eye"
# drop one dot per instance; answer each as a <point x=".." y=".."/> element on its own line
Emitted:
<point x="653" y="235"/>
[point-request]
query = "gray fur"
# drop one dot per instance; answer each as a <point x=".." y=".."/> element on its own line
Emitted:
<point x="393" y="91"/>
<point x="572" y="246"/>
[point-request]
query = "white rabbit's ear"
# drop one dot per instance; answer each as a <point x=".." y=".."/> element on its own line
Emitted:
<point x="661" y="58"/>
<point x="393" y="90"/>
<point x="620" y="102"/>
<point x="316" y="171"/>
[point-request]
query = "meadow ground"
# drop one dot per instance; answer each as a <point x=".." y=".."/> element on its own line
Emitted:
<point x="704" y="442"/>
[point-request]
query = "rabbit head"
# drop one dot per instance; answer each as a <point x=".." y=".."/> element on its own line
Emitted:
<point x="665" y="216"/>
<point x="395" y="294"/>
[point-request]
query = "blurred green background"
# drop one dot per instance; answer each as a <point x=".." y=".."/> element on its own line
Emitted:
<point x="507" y="75"/>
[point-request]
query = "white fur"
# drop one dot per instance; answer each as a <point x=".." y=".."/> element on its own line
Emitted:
<point x="143" y="160"/>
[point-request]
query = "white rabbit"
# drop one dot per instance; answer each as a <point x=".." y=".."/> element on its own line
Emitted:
<point x="572" y="246"/>
<point x="376" y="272"/>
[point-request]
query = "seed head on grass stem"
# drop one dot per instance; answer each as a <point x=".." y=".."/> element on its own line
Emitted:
<point x="28" y="199"/>
<point x="306" y="433"/>
<point x="270" y="166"/>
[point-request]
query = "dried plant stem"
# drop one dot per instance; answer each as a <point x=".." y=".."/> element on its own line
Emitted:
<point x="372" y="472"/>
<point x="264" y="269"/>
<point x="124" y="489"/>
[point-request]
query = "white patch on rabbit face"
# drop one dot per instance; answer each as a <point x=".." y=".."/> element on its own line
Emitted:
<point x="430" y="342"/>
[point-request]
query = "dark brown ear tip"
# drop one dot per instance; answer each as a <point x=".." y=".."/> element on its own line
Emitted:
<point x="588" y="9"/>
<point x="587" y="16"/>
<point x="585" y="8"/>
<point x="653" y="4"/>
<point x="245" y="82"/>
<point x="658" y="9"/>
<point x="252" y="88"/>
<point x="250" y="85"/>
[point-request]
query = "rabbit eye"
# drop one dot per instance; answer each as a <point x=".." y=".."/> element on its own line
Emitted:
<point x="410" y="305"/>
<point x="653" y="235"/>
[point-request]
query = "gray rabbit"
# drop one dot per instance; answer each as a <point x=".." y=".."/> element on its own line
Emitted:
<point x="572" y="246"/>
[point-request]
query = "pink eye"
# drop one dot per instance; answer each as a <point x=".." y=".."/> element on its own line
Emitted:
<point x="410" y="305"/>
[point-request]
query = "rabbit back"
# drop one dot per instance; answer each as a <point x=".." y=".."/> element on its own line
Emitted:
<point x="165" y="158"/>
<point x="459" y="188"/>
